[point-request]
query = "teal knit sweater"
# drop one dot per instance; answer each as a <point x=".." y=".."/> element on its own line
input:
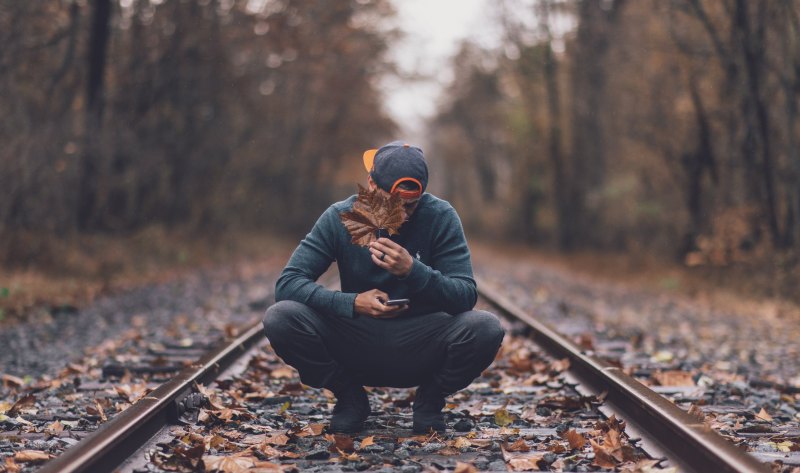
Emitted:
<point x="440" y="279"/>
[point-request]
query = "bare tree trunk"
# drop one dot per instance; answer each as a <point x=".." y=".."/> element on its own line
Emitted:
<point x="596" y="20"/>
<point x="560" y="190"/>
<point x="96" y="63"/>
<point x="753" y="50"/>
<point x="695" y="164"/>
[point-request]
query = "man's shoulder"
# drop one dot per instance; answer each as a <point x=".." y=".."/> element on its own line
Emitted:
<point x="434" y="205"/>
<point x="343" y="205"/>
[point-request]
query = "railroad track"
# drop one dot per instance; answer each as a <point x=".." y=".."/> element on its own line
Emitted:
<point x="665" y="430"/>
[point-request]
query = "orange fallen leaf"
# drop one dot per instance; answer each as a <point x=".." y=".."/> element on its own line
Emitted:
<point x="518" y="446"/>
<point x="368" y="441"/>
<point x="31" y="456"/>
<point x="764" y="415"/>
<point x="462" y="467"/>
<point x="576" y="440"/>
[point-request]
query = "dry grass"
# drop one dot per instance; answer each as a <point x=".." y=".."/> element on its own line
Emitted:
<point x="55" y="273"/>
<point x="767" y="286"/>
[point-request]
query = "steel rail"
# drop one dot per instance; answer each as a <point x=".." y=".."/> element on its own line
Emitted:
<point x="115" y="441"/>
<point x="686" y="440"/>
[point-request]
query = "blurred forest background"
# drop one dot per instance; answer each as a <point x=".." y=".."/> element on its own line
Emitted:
<point x="647" y="127"/>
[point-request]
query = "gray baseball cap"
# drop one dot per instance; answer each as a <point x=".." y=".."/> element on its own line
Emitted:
<point x="395" y="163"/>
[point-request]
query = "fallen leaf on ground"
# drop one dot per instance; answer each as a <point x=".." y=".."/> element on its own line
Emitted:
<point x="602" y="457"/>
<point x="54" y="428"/>
<point x="502" y="417"/>
<point x="276" y="439"/>
<point x="228" y="464"/>
<point x="674" y="378"/>
<point x="311" y="430"/>
<point x="518" y="446"/>
<point x="11" y="380"/>
<point x="527" y="461"/>
<point x="282" y="372"/>
<point x="764" y="415"/>
<point x="368" y="441"/>
<point x="647" y="466"/>
<point x="97" y="410"/>
<point x="11" y="466"/>
<point x="343" y="443"/>
<point x="353" y="457"/>
<point x="31" y="456"/>
<point x="576" y="440"/>
<point x="25" y="401"/>
<point x="462" y="467"/>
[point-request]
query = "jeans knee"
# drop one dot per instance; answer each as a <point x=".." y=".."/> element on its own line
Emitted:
<point x="485" y="327"/>
<point x="278" y="318"/>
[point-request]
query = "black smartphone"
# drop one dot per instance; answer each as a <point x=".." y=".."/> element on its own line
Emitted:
<point x="397" y="302"/>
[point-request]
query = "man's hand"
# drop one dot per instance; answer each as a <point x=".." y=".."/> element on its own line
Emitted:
<point x="371" y="303"/>
<point x="391" y="257"/>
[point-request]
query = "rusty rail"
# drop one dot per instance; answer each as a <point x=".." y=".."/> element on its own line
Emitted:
<point x="686" y="441"/>
<point x="112" y="444"/>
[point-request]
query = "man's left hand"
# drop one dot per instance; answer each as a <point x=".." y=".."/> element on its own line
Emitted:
<point x="391" y="257"/>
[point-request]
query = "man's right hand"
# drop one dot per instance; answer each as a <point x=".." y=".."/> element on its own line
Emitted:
<point x="371" y="304"/>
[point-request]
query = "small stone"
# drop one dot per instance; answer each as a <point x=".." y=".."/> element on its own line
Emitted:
<point x="497" y="466"/>
<point x="432" y="447"/>
<point x="319" y="454"/>
<point x="463" y="425"/>
<point x="374" y="448"/>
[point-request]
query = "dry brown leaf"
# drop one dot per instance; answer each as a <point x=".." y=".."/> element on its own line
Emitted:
<point x="340" y="442"/>
<point x="11" y="466"/>
<point x="269" y="451"/>
<point x="373" y="210"/>
<point x="602" y="457"/>
<point x="518" y="446"/>
<point x="696" y="412"/>
<point x="353" y="457"/>
<point x="12" y="381"/>
<point x="54" y="428"/>
<point x="559" y="366"/>
<point x="31" y="456"/>
<point x="25" y="401"/>
<point x="228" y="464"/>
<point x="282" y="372"/>
<point x="97" y="410"/>
<point x="462" y="467"/>
<point x="461" y="442"/>
<point x="368" y="441"/>
<point x="674" y="378"/>
<point x="576" y="440"/>
<point x="277" y="439"/>
<point x="503" y="418"/>
<point x="523" y="461"/>
<point x="266" y="467"/>
<point x="647" y="466"/>
<point x="764" y="415"/>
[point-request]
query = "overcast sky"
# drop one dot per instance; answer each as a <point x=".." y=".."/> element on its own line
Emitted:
<point x="433" y="30"/>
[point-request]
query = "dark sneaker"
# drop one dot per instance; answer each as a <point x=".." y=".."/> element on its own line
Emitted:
<point x="351" y="410"/>
<point x="428" y="405"/>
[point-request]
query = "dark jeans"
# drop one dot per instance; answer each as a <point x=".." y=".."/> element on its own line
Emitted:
<point x="448" y="350"/>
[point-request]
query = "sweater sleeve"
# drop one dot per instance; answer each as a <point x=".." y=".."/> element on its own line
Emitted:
<point x="449" y="279"/>
<point x="310" y="259"/>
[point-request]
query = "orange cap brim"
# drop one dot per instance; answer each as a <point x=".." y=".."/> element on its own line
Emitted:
<point x="369" y="158"/>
